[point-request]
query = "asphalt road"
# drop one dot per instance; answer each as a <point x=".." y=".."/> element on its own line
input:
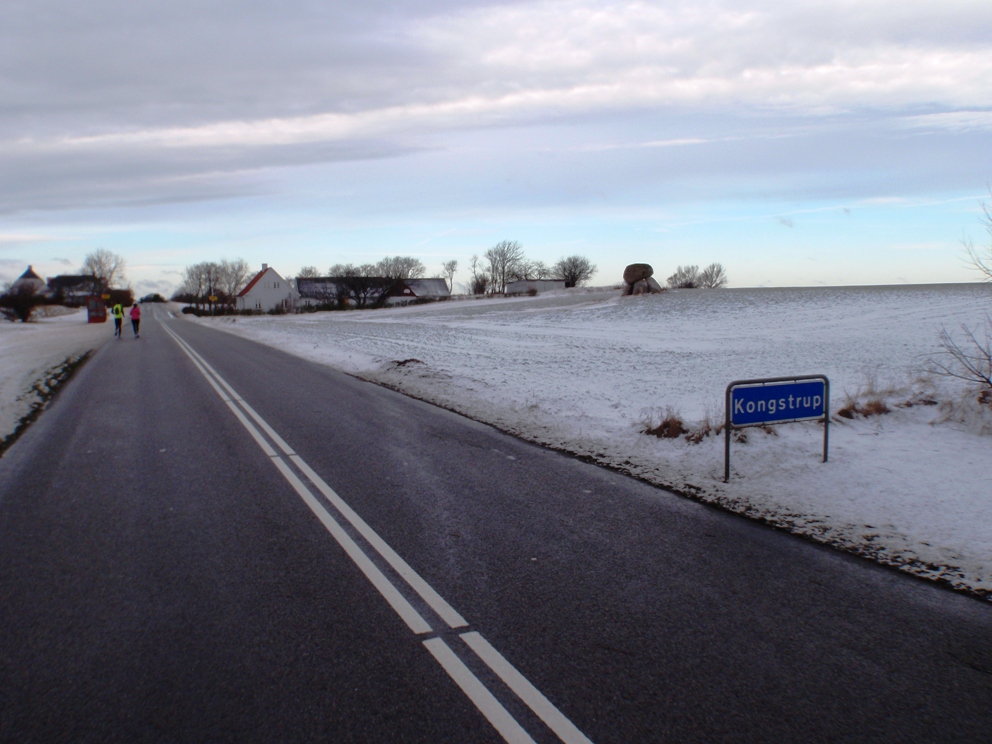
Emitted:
<point x="383" y="570"/>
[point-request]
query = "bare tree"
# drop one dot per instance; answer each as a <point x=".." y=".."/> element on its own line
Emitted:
<point x="192" y="284"/>
<point x="685" y="277"/>
<point x="712" y="277"/>
<point x="971" y="360"/>
<point x="400" y="268"/>
<point x="234" y="275"/>
<point x="106" y="266"/>
<point x="527" y="270"/>
<point x="308" y="272"/>
<point x="480" y="278"/>
<point x="503" y="258"/>
<point x="448" y="271"/>
<point x="212" y="274"/>
<point x="981" y="258"/>
<point x="200" y="282"/>
<point x="575" y="270"/>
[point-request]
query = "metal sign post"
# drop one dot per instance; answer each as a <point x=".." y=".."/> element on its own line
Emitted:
<point x="776" y="400"/>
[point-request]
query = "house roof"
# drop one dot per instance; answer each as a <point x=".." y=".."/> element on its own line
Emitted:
<point x="316" y="287"/>
<point x="71" y="280"/>
<point x="254" y="281"/>
<point x="29" y="274"/>
<point x="428" y="287"/>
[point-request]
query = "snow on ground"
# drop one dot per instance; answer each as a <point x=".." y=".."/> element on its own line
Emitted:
<point x="585" y="371"/>
<point x="28" y="350"/>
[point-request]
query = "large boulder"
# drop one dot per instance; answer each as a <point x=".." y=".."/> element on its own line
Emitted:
<point x="637" y="280"/>
<point x="636" y="272"/>
<point x="644" y="286"/>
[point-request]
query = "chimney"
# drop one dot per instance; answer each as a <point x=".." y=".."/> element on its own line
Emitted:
<point x="264" y="267"/>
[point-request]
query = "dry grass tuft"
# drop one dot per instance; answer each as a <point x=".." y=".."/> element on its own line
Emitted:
<point x="874" y="407"/>
<point x="671" y="427"/>
<point x="871" y="407"/>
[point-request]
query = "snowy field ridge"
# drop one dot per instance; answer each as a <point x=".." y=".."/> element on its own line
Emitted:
<point x="586" y="372"/>
<point x="30" y="352"/>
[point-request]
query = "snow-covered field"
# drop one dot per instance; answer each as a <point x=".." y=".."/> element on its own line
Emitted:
<point x="585" y="371"/>
<point x="28" y="350"/>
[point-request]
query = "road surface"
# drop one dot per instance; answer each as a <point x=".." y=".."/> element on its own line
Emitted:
<point x="207" y="539"/>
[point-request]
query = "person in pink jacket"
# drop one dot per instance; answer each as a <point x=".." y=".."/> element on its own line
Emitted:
<point x="135" y="318"/>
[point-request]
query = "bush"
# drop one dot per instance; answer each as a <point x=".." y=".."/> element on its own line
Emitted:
<point x="19" y="303"/>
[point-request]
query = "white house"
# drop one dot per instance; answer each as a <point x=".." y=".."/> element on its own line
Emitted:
<point x="267" y="291"/>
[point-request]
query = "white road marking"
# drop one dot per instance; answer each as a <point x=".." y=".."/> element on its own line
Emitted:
<point x="544" y="708"/>
<point x="397" y="601"/>
<point x="416" y="582"/>
<point x="421" y="587"/>
<point x="280" y="443"/>
<point x="488" y="705"/>
<point x="481" y="697"/>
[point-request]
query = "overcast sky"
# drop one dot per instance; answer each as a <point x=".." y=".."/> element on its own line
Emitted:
<point x="830" y="143"/>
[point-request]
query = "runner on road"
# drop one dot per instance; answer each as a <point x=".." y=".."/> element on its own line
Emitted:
<point x="135" y="317"/>
<point x="118" y="313"/>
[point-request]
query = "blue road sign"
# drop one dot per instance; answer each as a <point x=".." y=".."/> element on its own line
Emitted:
<point x="776" y="400"/>
<point x="777" y="403"/>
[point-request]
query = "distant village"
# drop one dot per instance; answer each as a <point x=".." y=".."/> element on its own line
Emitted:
<point x="231" y="287"/>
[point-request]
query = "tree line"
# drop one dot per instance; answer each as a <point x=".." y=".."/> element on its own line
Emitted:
<point x="221" y="279"/>
<point x="364" y="285"/>
<point x="505" y="262"/>
<point x="690" y="277"/>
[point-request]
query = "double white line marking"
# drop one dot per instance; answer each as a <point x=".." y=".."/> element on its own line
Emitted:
<point x="477" y="692"/>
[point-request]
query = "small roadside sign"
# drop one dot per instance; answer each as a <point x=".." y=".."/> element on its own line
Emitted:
<point x="212" y="298"/>
<point x="776" y="400"/>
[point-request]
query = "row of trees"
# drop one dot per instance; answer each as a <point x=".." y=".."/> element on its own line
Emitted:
<point x="505" y="262"/>
<point x="369" y="284"/>
<point x="690" y="277"/>
<point x="221" y="279"/>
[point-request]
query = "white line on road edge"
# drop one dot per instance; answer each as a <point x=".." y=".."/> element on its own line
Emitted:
<point x="434" y="600"/>
<point x="397" y="601"/>
<point x="480" y="696"/>
<point x="390" y="593"/>
<point x="484" y="700"/>
<point x="544" y="708"/>
<point x="416" y="582"/>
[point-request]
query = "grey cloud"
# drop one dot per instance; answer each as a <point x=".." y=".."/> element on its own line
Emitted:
<point x="786" y="221"/>
<point x="146" y="176"/>
<point x="109" y="66"/>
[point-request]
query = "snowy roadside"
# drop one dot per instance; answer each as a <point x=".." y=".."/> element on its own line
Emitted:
<point x="584" y="371"/>
<point x="30" y="351"/>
